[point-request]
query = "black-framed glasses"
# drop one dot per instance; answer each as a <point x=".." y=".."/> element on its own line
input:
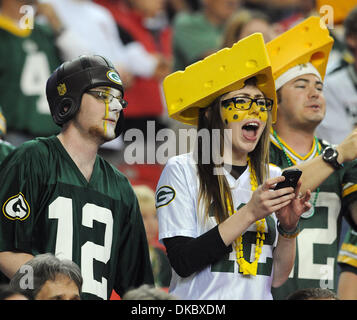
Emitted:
<point x="245" y="103"/>
<point x="107" y="97"/>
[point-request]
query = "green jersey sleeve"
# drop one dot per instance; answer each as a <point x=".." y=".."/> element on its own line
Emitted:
<point x="347" y="256"/>
<point x="21" y="174"/>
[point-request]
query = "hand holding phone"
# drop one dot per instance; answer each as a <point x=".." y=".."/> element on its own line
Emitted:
<point x="292" y="177"/>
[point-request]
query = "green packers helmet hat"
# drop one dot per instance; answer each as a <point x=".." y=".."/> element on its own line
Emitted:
<point x="67" y="84"/>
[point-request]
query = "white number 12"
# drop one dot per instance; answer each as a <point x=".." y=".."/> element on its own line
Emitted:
<point x="61" y="209"/>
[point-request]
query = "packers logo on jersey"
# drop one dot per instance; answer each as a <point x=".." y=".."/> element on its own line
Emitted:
<point x="164" y="196"/>
<point x="16" y="208"/>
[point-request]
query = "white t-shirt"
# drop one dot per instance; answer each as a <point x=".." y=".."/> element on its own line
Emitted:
<point x="179" y="215"/>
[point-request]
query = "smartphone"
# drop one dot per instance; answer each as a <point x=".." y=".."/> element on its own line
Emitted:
<point x="292" y="177"/>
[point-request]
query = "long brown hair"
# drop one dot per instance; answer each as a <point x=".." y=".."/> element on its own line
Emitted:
<point x="214" y="188"/>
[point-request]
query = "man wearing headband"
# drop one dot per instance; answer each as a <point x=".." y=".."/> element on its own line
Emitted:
<point x="59" y="196"/>
<point x="299" y="64"/>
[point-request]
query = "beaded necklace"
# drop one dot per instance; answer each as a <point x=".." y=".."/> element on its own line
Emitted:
<point x="244" y="266"/>
<point x="309" y="213"/>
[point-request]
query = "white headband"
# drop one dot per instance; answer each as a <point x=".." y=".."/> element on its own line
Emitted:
<point x="294" y="72"/>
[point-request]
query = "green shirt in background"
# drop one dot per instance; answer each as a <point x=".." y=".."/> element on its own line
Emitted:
<point x="27" y="59"/>
<point x="194" y="37"/>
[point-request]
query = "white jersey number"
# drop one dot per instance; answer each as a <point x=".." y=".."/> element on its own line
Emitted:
<point x="34" y="76"/>
<point x="309" y="237"/>
<point x="61" y="209"/>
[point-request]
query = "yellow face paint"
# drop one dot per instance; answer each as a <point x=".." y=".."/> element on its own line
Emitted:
<point x="106" y="115"/>
<point x="231" y="114"/>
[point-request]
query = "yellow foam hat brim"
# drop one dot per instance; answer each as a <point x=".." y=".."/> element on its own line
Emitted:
<point x="224" y="71"/>
<point x="309" y="41"/>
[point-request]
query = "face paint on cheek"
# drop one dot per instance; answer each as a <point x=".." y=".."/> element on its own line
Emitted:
<point x="230" y="114"/>
<point x="105" y="124"/>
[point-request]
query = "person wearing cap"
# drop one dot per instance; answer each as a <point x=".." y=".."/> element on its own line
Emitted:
<point x="299" y="58"/>
<point x="59" y="196"/>
<point x="228" y="233"/>
<point x="5" y="147"/>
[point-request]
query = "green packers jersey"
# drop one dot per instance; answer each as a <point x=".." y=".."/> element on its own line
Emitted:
<point x="5" y="149"/>
<point x="48" y="206"/>
<point x="318" y="242"/>
<point x="347" y="256"/>
<point x="27" y="59"/>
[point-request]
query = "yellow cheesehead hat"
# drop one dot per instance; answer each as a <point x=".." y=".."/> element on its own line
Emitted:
<point x="224" y="71"/>
<point x="306" y="47"/>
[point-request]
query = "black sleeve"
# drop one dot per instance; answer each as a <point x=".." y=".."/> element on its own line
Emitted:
<point x="347" y="268"/>
<point x="188" y="255"/>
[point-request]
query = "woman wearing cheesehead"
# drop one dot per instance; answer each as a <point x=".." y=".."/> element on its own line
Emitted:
<point x="228" y="233"/>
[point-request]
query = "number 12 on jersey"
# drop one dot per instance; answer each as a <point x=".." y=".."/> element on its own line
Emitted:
<point x="62" y="210"/>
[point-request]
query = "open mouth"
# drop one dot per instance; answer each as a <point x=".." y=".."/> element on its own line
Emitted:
<point x="314" y="107"/>
<point x="250" y="130"/>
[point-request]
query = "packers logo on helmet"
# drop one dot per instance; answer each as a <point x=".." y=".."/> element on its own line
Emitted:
<point x="113" y="76"/>
<point x="164" y="196"/>
<point x="16" y="208"/>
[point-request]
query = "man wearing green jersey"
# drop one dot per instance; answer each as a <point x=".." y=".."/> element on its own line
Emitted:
<point x="29" y="53"/>
<point x="5" y="147"/>
<point x="301" y="107"/>
<point x="347" y="260"/>
<point x="59" y="196"/>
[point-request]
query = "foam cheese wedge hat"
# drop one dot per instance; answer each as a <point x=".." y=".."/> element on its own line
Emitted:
<point x="307" y="42"/>
<point x="223" y="71"/>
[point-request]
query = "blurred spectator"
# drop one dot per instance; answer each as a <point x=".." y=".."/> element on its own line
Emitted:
<point x="45" y="277"/>
<point x="146" y="292"/>
<point x="7" y="293"/>
<point x="244" y="23"/>
<point x="147" y="23"/>
<point x="175" y="6"/>
<point x="198" y="34"/>
<point x="347" y="260"/>
<point x="340" y="91"/>
<point x="159" y="261"/>
<point x="299" y="11"/>
<point x="29" y="52"/>
<point x="313" y="294"/>
<point x="5" y="147"/>
<point x="288" y="12"/>
<point x="98" y="34"/>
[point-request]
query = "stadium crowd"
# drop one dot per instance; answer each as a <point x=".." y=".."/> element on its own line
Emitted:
<point x="97" y="206"/>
